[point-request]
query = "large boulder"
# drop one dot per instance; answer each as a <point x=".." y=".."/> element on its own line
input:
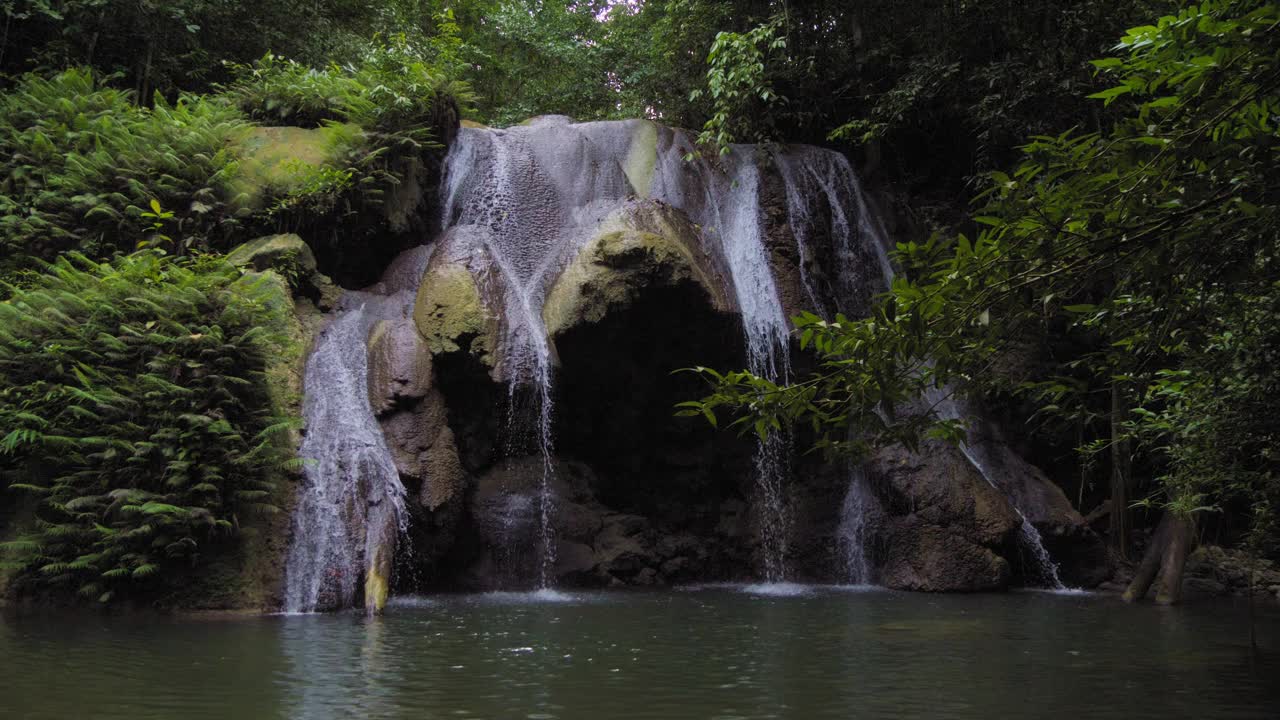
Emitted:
<point x="946" y="526"/>
<point x="1081" y="555"/>
<point x="450" y="312"/>
<point x="643" y="245"/>
<point x="285" y="253"/>
<point x="292" y="259"/>
<point x="400" y="370"/>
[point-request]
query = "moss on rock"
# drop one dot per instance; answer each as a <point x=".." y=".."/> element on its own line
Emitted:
<point x="451" y="315"/>
<point x="642" y="157"/>
<point x="287" y="254"/>
<point x="640" y="246"/>
<point x="277" y="158"/>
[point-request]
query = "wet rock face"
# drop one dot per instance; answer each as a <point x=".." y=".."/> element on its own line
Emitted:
<point x="946" y="527"/>
<point x="641" y="497"/>
<point x="590" y="266"/>
<point x="596" y="546"/>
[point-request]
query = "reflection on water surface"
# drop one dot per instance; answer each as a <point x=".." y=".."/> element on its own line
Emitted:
<point x="711" y="652"/>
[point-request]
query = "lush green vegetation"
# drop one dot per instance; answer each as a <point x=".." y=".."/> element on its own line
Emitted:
<point x="1090" y="240"/>
<point x="134" y="410"/>
<point x="80" y="164"/>
<point x="135" y="406"/>
<point x="1126" y="274"/>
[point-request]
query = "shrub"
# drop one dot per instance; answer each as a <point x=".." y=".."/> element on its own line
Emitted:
<point x="80" y="165"/>
<point x="133" y="405"/>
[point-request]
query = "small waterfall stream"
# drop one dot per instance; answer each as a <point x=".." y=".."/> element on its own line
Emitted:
<point x="851" y="536"/>
<point x="975" y="451"/>
<point x="824" y="197"/>
<point x="812" y="174"/>
<point x="351" y="504"/>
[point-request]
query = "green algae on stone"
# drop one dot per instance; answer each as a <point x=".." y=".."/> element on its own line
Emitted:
<point x="450" y="313"/>
<point x="615" y="266"/>
<point x="276" y="158"/>
<point x="286" y="253"/>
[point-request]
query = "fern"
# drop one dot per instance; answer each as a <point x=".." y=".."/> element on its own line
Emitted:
<point x="147" y="456"/>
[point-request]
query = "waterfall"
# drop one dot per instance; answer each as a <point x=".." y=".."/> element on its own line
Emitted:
<point x="851" y="535"/>
<point x="811" y="175"/>
<point x="826" y="204"/>
<point x="351" y="505"/>
<point x="527" y="196"/>
<point x="975" y="451"/>
<point x="730" y="209"/>
<point x="859" y="244"/>
<point x="351" y="502"/>
<point x="519" y="202"/>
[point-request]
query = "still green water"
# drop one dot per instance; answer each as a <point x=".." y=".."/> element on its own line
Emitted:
<point x="702" y="653"/>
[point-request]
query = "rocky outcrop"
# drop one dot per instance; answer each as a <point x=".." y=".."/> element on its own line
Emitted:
<point x="1081" y="555"/>
<point x="291" y="258"/>
<point x="946" y="527"/>
<point x="400" y="370"/>
<point x="1213" y="571"/>
<point x="643" y="246"/>
<point x="595" y="545"/>
<point x="628" y="291"/>
<point x="449" y="311"/>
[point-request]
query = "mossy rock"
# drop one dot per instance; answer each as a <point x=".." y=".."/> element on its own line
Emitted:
<point x="644" y="245"/>
<point x="275" y="159"/>
<point x="451" y="315"/>
<point x="287" y="254"/>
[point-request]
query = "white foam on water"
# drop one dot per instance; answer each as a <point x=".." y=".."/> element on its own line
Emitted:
<point x="778" y="589"/>
<point x="541" y="596"/>
<point x="412" y="601"/>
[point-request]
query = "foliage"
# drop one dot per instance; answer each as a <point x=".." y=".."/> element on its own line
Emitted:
<point x="80" y="165"/>
<point x="393" y="88"/>
<point x="737" y="83"/>
<point x="133" y="405"/>
<point x="1152" y="246"/>
<point x="279" y="91"/>
<point x="171" y="46"/>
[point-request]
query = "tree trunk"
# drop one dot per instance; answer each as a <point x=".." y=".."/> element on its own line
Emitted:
<point x="1150" y="565"/>
<point x="1177" y="548"/>
<point x="1119" y="474"/>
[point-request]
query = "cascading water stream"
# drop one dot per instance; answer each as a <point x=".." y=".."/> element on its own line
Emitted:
<point x="948" y="408"/>
<point x="528" y="196"/>
<point x="851" y="535"/>
<point x="811" y="174"/>
<point x="351" y="505"/>
<point x="825" y="200"/>
<point x="525" y="199"/>
<point x="730" y="208"/>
